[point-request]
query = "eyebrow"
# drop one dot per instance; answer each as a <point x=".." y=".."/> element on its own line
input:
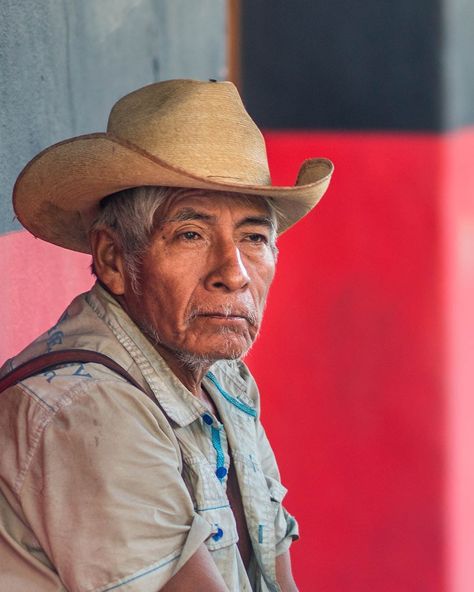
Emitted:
<point x="187" y="214"/>
<point x="257" y="221"/>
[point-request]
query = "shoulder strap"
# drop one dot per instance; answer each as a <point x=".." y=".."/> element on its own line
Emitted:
<point x="80" y="356"/>
<point x="52" y="359"/>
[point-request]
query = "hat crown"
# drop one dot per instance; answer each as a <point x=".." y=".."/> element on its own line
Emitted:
<point x="177" y="133"/>
<point x="200" y="127"/>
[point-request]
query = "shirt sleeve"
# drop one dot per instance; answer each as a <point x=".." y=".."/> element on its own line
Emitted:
<point x="104" y="494"/>
<point x="286" y="526"/>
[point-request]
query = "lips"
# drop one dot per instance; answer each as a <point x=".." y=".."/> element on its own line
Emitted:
<point x="226" y="313"/>
<point x="230" y="317"/>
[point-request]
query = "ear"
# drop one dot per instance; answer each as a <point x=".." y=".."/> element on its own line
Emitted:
<point x="108" y="261"/>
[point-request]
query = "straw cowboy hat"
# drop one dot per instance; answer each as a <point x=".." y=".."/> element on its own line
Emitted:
<point x="177" y="133"/>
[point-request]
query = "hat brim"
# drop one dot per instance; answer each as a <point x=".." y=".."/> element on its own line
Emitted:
<point x="62" y="186"/>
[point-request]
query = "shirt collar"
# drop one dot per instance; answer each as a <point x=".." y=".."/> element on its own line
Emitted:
<point x="178" y="402"/>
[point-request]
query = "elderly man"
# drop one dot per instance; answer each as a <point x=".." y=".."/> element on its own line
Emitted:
<point x="133" y="457"/>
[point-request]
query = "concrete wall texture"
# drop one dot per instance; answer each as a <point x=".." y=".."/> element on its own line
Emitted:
<point x="63" y="63"/>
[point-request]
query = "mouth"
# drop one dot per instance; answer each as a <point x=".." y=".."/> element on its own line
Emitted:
<point x="227" y="315"/>
<point x="231" y="318"/>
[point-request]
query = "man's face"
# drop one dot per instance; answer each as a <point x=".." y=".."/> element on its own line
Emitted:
<point x="205" y="277"/>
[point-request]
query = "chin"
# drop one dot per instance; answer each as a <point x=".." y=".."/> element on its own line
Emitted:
<point x="232" y="349"/>
<point x="203" y="361"/>
<point x="229" y="347"/>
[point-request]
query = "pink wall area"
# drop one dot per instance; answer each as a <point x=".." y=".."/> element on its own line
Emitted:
<point x="38" y="282"/>
<point x="458" y="208"/>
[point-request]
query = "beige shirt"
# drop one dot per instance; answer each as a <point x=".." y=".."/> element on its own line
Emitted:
<point x="99" y="491"/>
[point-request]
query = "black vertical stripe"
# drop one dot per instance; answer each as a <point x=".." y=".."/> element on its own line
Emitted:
<point x="369" y="64"/>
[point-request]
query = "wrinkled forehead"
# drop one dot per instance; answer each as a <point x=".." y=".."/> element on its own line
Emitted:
<point x="185" y="198"/>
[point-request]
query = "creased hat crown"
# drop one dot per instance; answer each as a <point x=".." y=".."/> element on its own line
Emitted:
<point x="175" y="133"/>
<point x="200" y="127"/>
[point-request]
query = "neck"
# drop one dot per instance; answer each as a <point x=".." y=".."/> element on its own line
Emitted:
<point x="189" y="370"/>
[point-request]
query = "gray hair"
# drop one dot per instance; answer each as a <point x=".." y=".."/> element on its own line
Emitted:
<point x="133" y="214"/>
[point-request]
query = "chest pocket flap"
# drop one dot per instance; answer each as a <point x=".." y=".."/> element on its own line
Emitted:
<point x="224" y="530"/>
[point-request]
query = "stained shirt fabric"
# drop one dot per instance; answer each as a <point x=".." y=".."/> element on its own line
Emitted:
<point x="104" y="487"/>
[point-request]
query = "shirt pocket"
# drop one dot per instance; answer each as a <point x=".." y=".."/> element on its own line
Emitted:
<point x="275" y="511"/>
<point x="224" y="529"/>
<point x="276" y="490"/>
<point x="285" y="526"/>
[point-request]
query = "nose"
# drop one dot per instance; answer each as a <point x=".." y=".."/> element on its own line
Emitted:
<point x="228" y="272"/>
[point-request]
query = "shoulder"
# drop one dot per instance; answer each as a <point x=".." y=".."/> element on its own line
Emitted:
<point x="77" y="405"/>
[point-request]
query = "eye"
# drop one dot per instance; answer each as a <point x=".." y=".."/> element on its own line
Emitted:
<point x="189" y="235"/>
<point x="256" y="237"/>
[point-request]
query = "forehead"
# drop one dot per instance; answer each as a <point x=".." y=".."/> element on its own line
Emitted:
<point x="212" y="201"/>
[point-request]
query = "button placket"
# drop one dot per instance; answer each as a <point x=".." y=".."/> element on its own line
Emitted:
<point x="217" y="434"/>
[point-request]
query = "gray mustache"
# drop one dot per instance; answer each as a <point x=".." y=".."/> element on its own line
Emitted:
<point x="226" y="310"/>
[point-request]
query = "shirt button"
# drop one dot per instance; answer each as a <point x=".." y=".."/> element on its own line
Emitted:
<point x="221" y="472"/>
<point x="218" y="535"/>
<point x="207" y="419"/>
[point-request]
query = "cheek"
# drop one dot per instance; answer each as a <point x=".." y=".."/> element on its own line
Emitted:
<point x="264" y="274"/>
<point x="167" y="296"/>
<point x="267" y="270"/>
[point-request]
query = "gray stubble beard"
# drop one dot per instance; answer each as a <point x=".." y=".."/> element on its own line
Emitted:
<point x="190" y="360"/>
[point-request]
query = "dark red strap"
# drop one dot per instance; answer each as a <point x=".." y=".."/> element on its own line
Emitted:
<point x="50" y="360"/>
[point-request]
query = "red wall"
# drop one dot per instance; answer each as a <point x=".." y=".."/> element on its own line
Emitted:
<point x="364" y="363"/>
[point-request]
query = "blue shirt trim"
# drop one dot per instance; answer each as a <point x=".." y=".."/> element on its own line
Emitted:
<point x="140" y="575"/>
<point x="213" y="508"/>
<point x="236" y="402"/>
<point x="216" y="442"/>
